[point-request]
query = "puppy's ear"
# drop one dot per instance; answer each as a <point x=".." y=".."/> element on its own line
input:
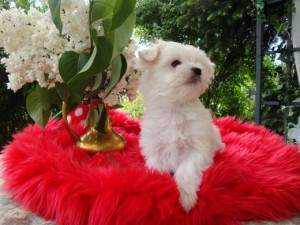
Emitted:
<point x="150" y="55"/>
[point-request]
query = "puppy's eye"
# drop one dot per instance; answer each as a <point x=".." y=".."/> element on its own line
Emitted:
<point x="175" y="63"/>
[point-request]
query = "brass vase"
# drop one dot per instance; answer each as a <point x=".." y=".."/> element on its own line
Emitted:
<point x="94" y="140"/>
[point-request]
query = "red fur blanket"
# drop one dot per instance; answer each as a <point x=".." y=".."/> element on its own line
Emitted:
<point x="256" y="177"/>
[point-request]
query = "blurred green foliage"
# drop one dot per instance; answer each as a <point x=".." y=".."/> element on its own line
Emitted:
<point x="226" y="30"/>
<point x="135" y="108"/>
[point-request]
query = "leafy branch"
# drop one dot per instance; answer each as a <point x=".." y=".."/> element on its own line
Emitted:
<point x="85" y="73"/>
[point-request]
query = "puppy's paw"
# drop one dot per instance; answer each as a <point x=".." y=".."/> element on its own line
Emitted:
<point x="188" y="200"/>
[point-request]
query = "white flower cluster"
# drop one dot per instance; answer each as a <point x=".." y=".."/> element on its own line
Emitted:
<point x="34" y="46"/>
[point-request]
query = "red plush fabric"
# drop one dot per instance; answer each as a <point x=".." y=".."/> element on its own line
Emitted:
<point x="256" y="177"/>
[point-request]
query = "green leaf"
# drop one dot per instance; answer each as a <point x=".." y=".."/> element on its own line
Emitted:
<point x="118" y="70"/>
<point x="54" y="97"/>
<point x="88" y="70"/>
<point x="44" y="97"/>
<point x="82" y="60"/>
<point x="98" y="81"/>
<point x="105" y="50"/>
<point x="38" y="106"/>
<point x="68" y="65"/>
<point x="124" y="65"/>
<point x="94" y="35"/>
<point x="88" y="117"/>
<point x="54" y="6"/>
<point x="62" y="91"/>
<point x="98" y="84"/>
<point x="98" y="62"/>
<point x="124" y="32"/>
<point x="77" y="88"/>
<point x="88" y="65"/>
<point x="122" y="11"/>
<point x="121" y="36"/>
<point x="106" y="25"/>
<point x="102" y="9"/>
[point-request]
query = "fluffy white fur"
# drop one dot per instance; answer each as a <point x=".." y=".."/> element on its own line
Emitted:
<point x="177" y="133"/>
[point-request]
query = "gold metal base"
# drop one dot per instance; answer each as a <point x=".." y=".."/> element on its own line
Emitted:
<point x="93" y="140"/>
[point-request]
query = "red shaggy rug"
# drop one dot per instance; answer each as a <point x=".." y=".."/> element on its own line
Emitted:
<point x="256" y="177"/>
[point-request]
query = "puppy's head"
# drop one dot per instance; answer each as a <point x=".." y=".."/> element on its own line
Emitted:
<point x="179" y="72"/>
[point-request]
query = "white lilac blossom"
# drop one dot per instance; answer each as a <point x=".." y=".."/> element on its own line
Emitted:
<point x="26" y="37"/>
<point x="34" y="46"/>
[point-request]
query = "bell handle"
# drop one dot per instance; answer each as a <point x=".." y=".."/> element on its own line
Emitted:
<point x="64" y="116"/>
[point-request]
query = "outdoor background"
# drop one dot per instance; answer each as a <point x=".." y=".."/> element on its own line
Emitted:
<point x="225" y="29"/>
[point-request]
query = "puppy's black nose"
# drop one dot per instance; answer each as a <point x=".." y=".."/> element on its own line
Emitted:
<point x="197" y="71"/>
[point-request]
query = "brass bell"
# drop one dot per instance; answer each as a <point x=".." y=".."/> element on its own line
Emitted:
<point x="93" y="140"/>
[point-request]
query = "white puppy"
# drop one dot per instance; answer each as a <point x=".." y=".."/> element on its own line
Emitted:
<point x="177" y="133"/>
